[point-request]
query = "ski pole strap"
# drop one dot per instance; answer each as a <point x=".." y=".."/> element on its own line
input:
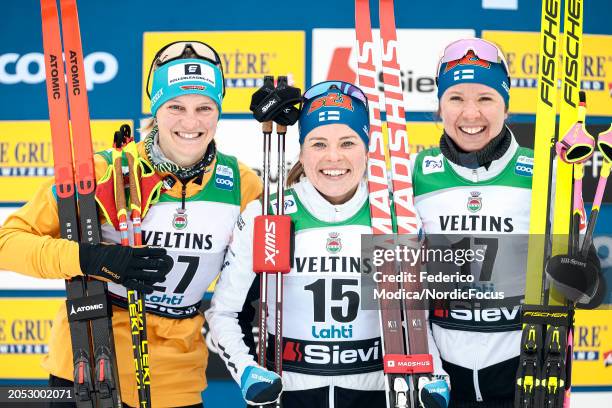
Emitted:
<point x="272" y="244"/>
<point x="276" y="103"/>
<point x="577" y="145"/>
<point x="604" y="144"/>
<point x="408" y="364"/>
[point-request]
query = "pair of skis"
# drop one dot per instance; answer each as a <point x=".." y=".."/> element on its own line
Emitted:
<point x="406" y="356"/>
<point x="544" y="373"/>
<point x="89" y="314"/>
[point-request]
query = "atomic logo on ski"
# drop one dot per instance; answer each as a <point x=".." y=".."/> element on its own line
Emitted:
<point x="474" y="202"/>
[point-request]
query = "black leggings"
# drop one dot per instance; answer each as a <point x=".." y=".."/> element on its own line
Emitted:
<point x="60" y="382"/>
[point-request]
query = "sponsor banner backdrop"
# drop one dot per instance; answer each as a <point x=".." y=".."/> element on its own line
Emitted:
<point x="334" y="56"/>
<point x="521" y="50"/>
<point x="592" y="364"/>
<point x="25" y="327"/>
<point x="243" y="138"/>
<point x="246" y="56"/>
<point x="26" y="154"/>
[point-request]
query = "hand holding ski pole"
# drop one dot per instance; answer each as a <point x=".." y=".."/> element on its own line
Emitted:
<point x="434" y="391"/>
<point x="260" y="386"/>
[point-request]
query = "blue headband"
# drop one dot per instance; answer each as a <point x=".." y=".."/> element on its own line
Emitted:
<point x="335" y="107"/>
<point x="186" y="76"/>
<point x="471" y="69"/>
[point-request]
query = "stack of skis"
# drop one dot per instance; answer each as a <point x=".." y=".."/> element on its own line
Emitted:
<point x="543" y="378"/>
<point x="544" y="374"/>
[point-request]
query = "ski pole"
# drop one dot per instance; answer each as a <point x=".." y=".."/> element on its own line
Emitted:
<point x="124" y="143"/>
<point x="272" y="232"/>
<point x="281" y="131"/>
<point x="604" y="145"/>
<point x="134" y="173"/>
<point x="576" y="147"/>
<point x="263" y="278"/>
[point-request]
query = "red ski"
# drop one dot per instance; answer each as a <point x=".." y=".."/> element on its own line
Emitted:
<point x="89" y="313"/>
<point x="398" y="349"/>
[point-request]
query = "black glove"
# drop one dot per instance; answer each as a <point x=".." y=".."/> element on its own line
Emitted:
<point x="270" y="103"/>
<point x="580" y="280"/>
<point x="135" y="268"/>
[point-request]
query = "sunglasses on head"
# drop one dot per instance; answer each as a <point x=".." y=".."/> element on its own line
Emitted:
<point x="483" y="49"/>
<point x="181" y="50"/>
<point x="344" y="88"/>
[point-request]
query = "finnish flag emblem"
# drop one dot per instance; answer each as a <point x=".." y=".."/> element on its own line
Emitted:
<point x="463" y="74"/>
<point x="329" y="115"/>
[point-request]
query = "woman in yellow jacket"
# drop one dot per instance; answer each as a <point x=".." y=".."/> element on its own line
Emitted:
<point x="204" y="192"/>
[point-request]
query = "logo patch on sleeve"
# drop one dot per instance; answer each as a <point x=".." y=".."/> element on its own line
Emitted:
<point x="524" y="166"/>
<point x="433" y="164"/>
<point x="290" y="204"/>
<point x="224" y="177"/>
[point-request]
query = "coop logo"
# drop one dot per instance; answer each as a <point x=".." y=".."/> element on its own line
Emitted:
<point x="100" y="67"/>
<point x="224" y="178"/>
<point x="524" y="166"/>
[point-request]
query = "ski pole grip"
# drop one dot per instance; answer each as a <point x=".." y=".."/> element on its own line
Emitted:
<point x="266" y="127"/>
<point x="408" y="364"/>
<point x="272" y="244"/>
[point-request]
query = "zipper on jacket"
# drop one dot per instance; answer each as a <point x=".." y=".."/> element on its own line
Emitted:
<point x="474" y="176"/>
<point x="183" y="195"/>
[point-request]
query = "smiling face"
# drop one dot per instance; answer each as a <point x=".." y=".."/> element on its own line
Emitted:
<point x="186" y="125"/>
<point x="472" y="115"/>
<point x="334" y="160"/>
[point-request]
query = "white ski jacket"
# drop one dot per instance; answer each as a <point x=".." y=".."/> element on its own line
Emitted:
<point x="480" y="346"/>
<point x="231" y="313"/>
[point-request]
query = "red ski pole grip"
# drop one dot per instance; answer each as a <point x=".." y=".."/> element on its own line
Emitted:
<point x="272" y="244"/>
<point x="408" y="364"/>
